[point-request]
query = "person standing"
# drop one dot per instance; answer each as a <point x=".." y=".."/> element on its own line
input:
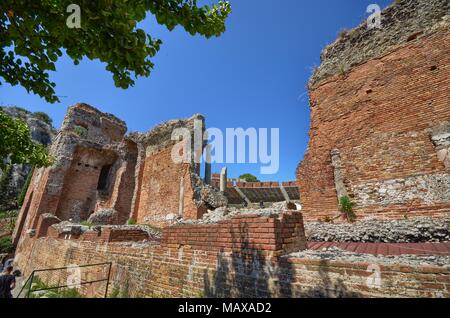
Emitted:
<point x="7" y="282"/>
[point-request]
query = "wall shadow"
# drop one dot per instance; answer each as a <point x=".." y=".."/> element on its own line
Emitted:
<point x="249" y="272"/>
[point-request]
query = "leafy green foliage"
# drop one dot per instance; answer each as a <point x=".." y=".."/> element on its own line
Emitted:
<point x="4" y="183"/>
<point x="131" y="222"/>
<point x="16" y="144"/>
<point x="43" y="117"/>
<point x="87" y="223"/>
<point x="80" y="131"/>
<point x="24" y="190"/>
<point x="38" y="284"/>
<point x="6" y="245"/>
<point x="249" y="177"/>
<point x="8" y="214"/>
<point x="115" y="292"/>
<point x="33" y="35"/>
<point x="346" y="206"/>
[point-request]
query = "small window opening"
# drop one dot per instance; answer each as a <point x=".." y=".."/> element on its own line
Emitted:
<point x="103" y="178"/>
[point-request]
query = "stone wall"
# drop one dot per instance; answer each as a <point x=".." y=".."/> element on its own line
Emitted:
<point x="102" y="175"/>
<point x="387" y="116"/>
<point x="91" y="157"/>
<point x="242" y="257"/>
<point x="167" y="189"/>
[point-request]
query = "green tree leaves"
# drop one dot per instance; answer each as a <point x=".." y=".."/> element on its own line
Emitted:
<point x="34" y="33"/>
<point x="16" y="144"/>
<point x="248" y="177"/>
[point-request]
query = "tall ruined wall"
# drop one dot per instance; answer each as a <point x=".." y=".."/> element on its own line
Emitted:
<point x="92" y="159"/>
<point x="168" y="189"/>
<point x="104" y="177"/>
<point x="380" y="118"/>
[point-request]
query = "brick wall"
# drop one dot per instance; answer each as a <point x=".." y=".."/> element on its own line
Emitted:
<point x="381" y="115"/>
<point x="159" y="191"/>
<point x="239" y="258"/>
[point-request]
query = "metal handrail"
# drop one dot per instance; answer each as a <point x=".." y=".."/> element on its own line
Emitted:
<point x="31" y="277"/>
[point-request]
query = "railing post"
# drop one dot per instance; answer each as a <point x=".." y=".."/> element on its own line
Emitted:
<point x="107" y="282"/>
<point x="31" y="285"/>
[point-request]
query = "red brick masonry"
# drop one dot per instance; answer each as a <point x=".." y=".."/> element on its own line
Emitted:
<point x="242" y="257"/>
<point x="387" y="248"/>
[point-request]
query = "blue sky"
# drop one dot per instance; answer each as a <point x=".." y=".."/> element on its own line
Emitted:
<point x="254" y="75"/>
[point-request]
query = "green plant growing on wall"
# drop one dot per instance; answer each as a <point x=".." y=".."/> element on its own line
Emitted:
<point x="115" y="292"/>
<point x="87" y="223"/>
<point x="16" y="145"/>
<point x="346" y="206"/>
<point x="125" y="291"/>
<point x="6" y="245"/>
<point x="49" y="293"/>
<point x="80" y="131"/>
<point x="4" y="183"/>
<point x="131" y="222"/>
<point x="43" y="117"/>
<point x="9" y="214"/>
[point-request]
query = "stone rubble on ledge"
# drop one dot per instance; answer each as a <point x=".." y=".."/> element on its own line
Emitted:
<point x="376" y="231"/>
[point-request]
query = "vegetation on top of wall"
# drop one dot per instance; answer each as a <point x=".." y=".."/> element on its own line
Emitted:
<point x="17" y="147"/>
<point x="8" y="214"/>
<point x="131" y="222"/>
<point x="346" y="206"/>
<point x="4" y="182"/>
<point x="248" y="177"/>
<point x="43" y="117"/>
<point x="117" y="292"/>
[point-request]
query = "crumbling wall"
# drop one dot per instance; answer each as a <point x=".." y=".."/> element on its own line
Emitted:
<point x="168" y="189"/>
<point x="387" y="116"/>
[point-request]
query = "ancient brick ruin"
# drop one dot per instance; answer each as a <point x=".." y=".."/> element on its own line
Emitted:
<point x="101" y="175"/>
<point x="380" y="118"/>
<point x="379" y="133"/>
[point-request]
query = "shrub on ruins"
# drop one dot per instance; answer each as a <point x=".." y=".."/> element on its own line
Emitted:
<point x="43" y="117"/>
<point x="6" y="245"/>
<point x="34" y="35"/>
<point x="346" y="206"/>
<point x="248" y="177"/>
<point x="16" y="145"/>
<point x="39" y="289"/>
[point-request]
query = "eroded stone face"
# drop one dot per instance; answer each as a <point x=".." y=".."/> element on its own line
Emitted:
<point x="104" y="177"/>
<point x="387" y="113"/>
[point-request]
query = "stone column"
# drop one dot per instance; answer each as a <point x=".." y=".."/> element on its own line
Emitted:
<point x="208" y="164"/>
<point x="181" y="198"/>
<point x="338" y="174"/>
<point x="223" y="179"/>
